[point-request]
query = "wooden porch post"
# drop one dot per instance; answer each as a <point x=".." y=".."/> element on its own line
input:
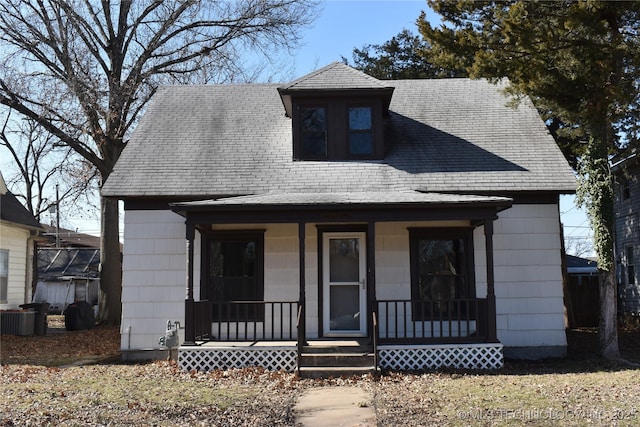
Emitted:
<point x="302" y="326"/>
<point x="189" y="309"/>
<point x="491" y="293"/>
<point x="371" y="276"/>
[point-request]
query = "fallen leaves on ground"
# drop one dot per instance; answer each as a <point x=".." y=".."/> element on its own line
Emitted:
<point x="34" y="390"/>
<point x="60" y="347"/>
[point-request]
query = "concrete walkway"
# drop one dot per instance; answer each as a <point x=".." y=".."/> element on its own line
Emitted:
<point x="337" y="406"/>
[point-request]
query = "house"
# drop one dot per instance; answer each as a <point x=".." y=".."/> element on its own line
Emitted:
<point x="18" y="232"/>
<point x="417" y="219"/>
<point x="66" y="275"/>
<point x="68" y="268"/>
<point x="627" y="231"/>
<point x="64" y="238"/>
<point x="582" y="298"/>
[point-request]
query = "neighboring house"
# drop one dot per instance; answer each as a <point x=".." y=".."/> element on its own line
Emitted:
<point x="68" y="268"/>
<point x="627" y="231"/>
<point x="583" y="305"/>
<point x="64" y="238"/>
<point x="18" y="231"/>
<point x="66" y="275"/>
<point x="419" y="217"/>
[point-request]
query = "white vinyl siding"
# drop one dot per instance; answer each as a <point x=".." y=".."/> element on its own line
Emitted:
<point x="18" y="248"/>
<point x="528" y="277"/>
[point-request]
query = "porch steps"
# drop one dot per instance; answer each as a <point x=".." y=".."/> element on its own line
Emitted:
<point x="336" y="361"/>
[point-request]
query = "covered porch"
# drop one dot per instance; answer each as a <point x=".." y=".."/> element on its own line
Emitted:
<point x="455" y="328"/>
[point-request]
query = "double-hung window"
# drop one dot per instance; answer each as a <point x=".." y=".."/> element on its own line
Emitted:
<point x="625" y="190"/>
<point x="314" y="132"/>
<point x="441" y="271"/>
<point x="4" y="275"/>
<point x="631" y="269"/>
<point x="234" y="280"/>
<point x="338" y="129"/>
<point x="360" y="131"/>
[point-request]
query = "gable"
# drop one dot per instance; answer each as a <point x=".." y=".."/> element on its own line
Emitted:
<point x="12" y="211"/>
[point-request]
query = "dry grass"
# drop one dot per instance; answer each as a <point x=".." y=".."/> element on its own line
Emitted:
<point x="34" y="390"/>
<point x="157" y="394"/>
<point x="534" y="395"/>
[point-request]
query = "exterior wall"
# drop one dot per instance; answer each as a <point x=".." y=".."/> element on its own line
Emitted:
<point x="528" y="274"/>
<point x="281" y="274"/>
<point x="393" y="275"/>
<point x="153" y="277"/>
<point x="393" y="278"/>
<point x="627" y="234"/>
<point x="154" y="272"/>
<point x="528" y="280"/>
<point x="16" y="241"/>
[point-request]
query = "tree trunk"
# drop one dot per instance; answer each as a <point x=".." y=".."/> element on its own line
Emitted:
<point x="110" y="264"/>
<point x="608" y="326"/>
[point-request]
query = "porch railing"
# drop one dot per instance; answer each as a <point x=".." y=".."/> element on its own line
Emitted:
<point x="245" y="320"/>
<point x="442" y="321"/>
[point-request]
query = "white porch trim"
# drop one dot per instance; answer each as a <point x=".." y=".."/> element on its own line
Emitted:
<point x="459" y="356"/>
<point x="208" y="357"/>
<point x="283" y="356"/>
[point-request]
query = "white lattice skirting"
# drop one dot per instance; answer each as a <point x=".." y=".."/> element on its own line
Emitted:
<point x="207" y="358"/>
<point x="399" y="358"/>
<point x="460" y="356"/>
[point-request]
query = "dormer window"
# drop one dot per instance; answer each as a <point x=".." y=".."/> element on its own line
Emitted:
<point x="337" y="129"/>
<point x="313" y="121"/>
<point x="337" y="113"/>
<point x="360" y="131"/>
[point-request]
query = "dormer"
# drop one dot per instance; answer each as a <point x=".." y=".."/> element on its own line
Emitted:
<point x="337" y="113"/>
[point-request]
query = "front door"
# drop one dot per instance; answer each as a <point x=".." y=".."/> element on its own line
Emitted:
<point x="344" y="287"/>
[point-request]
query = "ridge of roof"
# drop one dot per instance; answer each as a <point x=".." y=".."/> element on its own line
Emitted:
<point x="335" y="76"/>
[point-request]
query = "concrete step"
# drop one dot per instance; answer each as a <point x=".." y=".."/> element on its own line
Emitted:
<point x="332" y="349"/>
<point x="335" y="371"/>
<point x="337" y="359"/>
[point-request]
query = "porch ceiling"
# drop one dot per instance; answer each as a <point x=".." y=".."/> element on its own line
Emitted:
<point x="357" y="206"/>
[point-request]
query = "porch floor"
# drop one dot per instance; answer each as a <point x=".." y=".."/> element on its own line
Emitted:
<point x="279" y="344"/>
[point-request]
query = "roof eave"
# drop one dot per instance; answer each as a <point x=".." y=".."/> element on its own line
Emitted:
<point x="473" y="211"/>
<point x="287" y="95"/>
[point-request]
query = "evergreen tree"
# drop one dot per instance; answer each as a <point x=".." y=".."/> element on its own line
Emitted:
<point x="579" y="61"/>
<point x="402" y="57"/>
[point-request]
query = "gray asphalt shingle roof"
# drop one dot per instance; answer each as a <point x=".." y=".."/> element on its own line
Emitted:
<point x="335" y="76"/>
<point x="450" y="136"/>
<point x="11" y="210"/>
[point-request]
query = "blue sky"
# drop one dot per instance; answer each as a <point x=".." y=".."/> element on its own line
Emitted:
<point x="348" y="24"/>
<point x="345" y="25"/>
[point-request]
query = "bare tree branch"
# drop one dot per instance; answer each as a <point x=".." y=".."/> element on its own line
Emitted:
<point x="84" y="70"/>
<point x="41" y="163"/>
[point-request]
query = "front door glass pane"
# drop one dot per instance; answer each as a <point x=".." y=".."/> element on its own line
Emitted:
<point x="344" y="262"/>
<point x="345" y="308"/>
